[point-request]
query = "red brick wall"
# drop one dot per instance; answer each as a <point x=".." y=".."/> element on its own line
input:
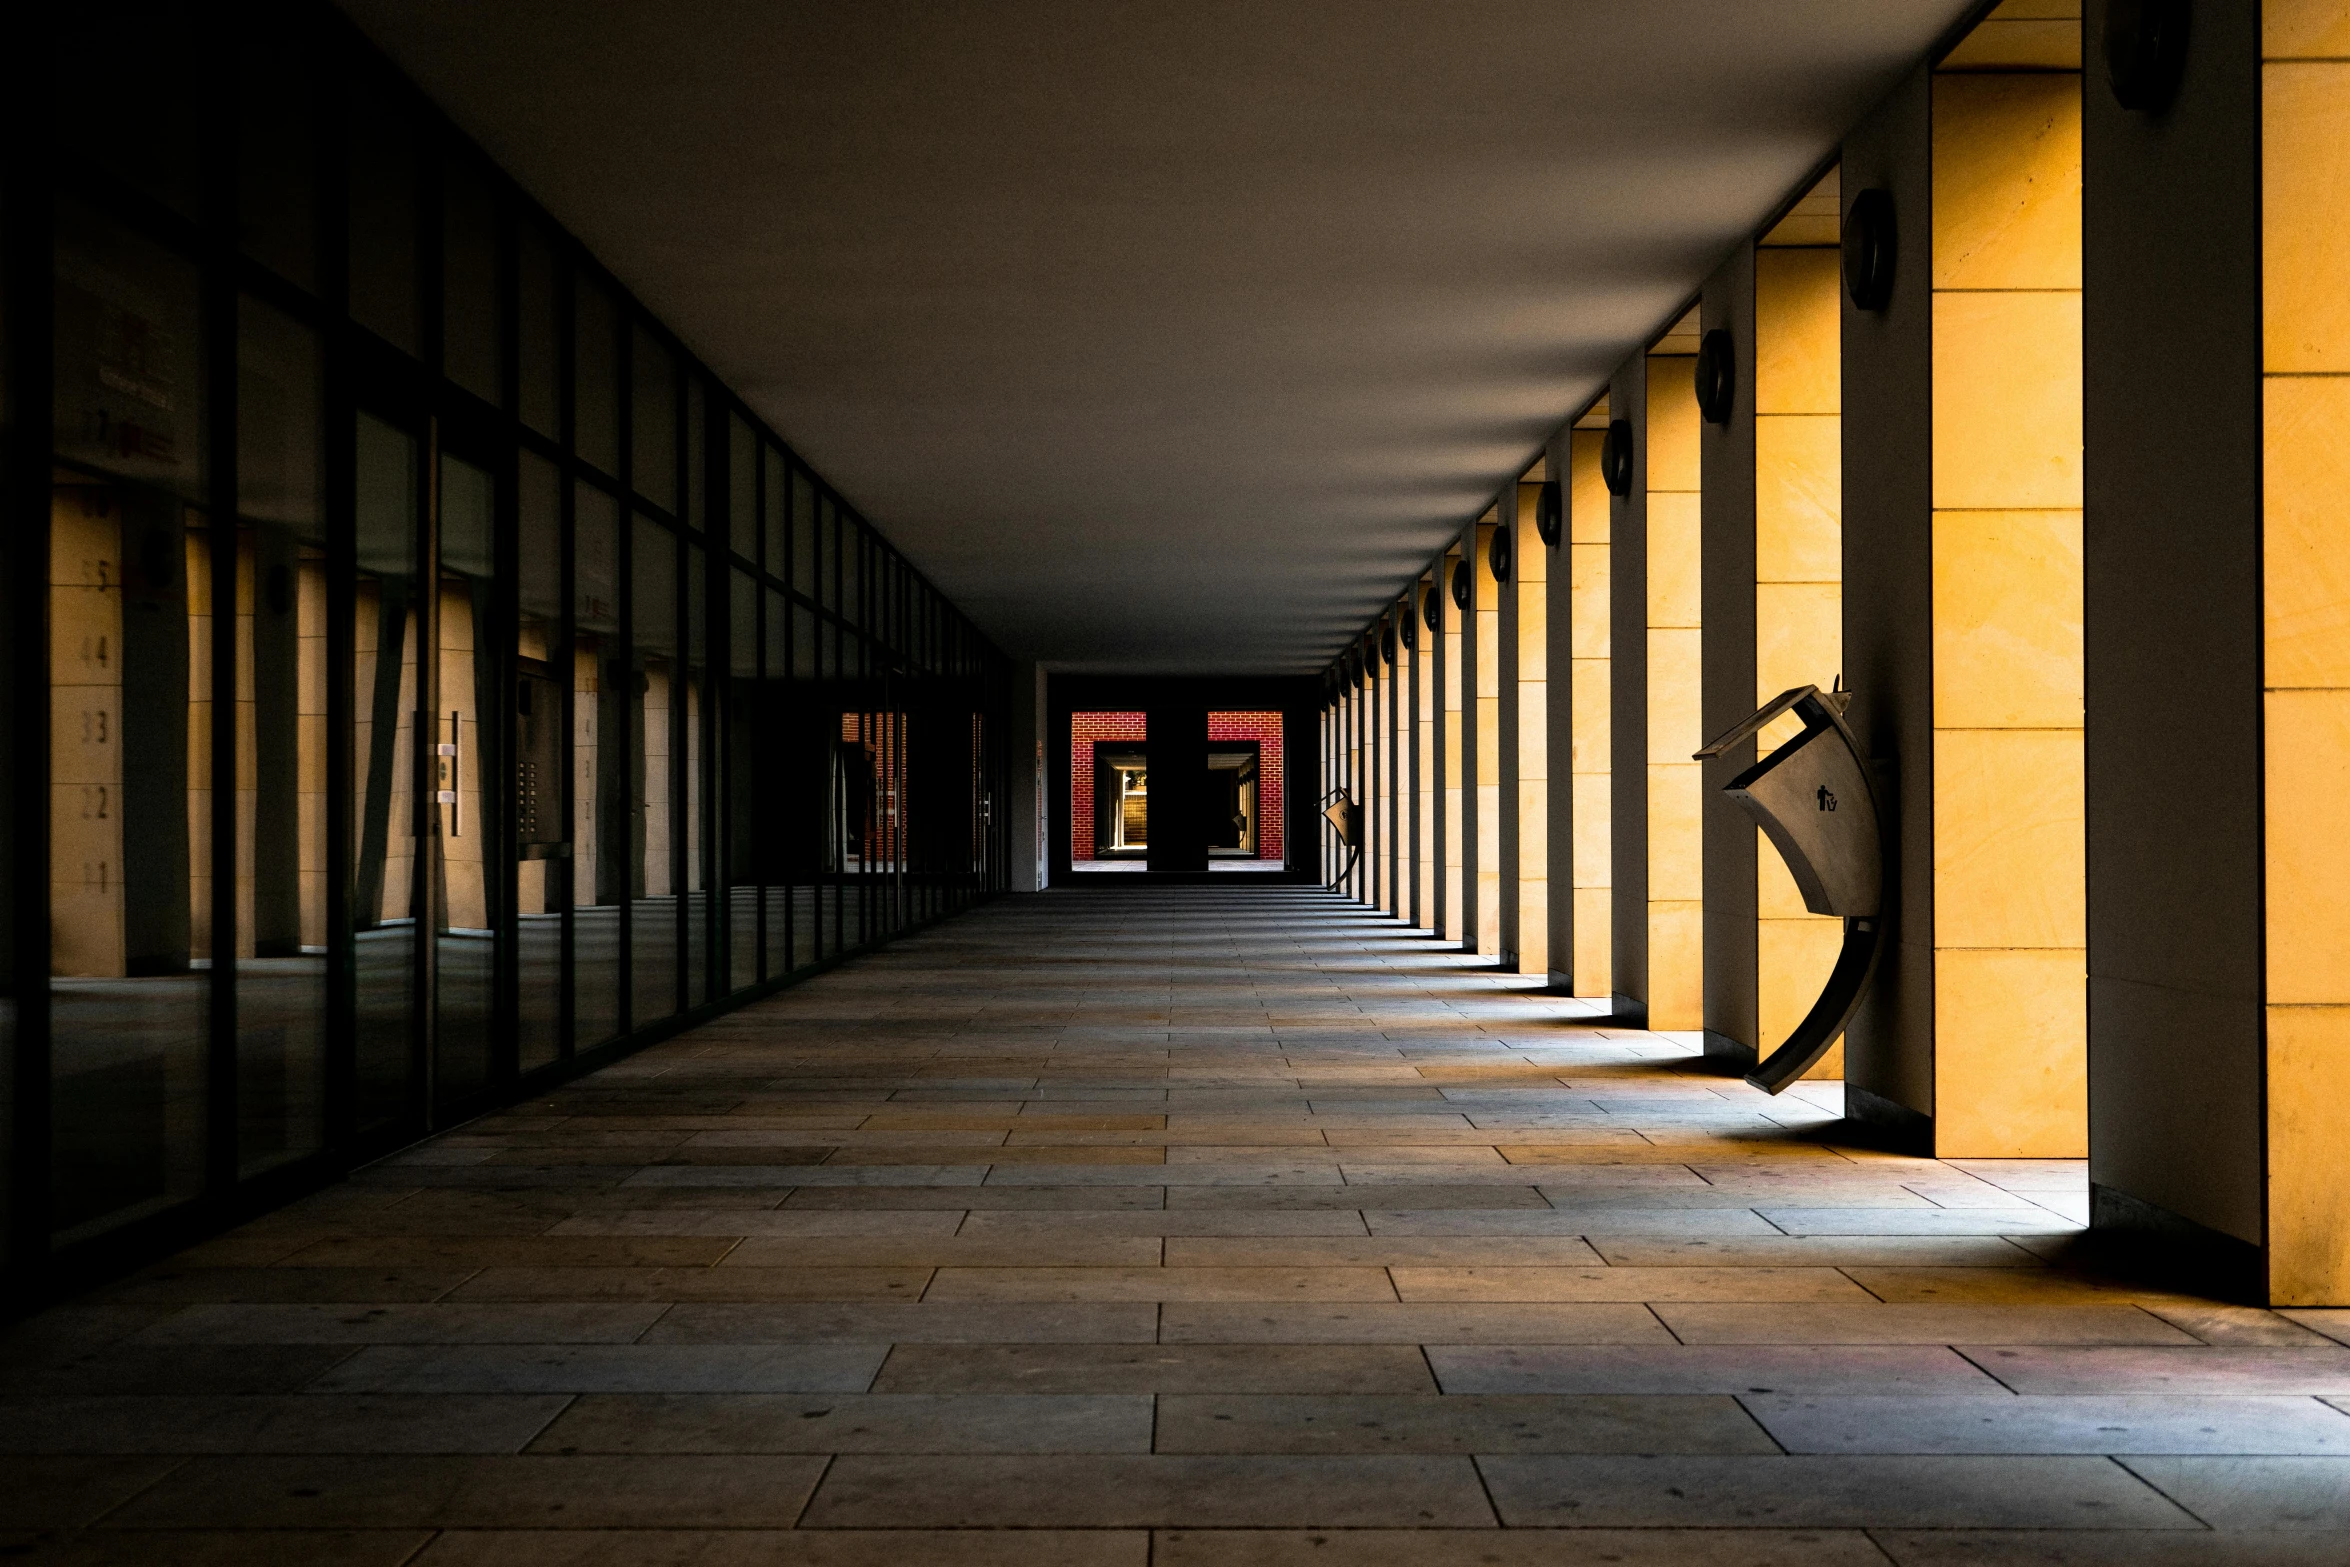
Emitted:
<point x="1086" y="730"/>
<point x="1265" y="730"/>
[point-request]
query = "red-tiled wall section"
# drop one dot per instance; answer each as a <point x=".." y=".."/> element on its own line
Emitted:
<point x="1086" y="730"/>
<point x="1265" y="730"/>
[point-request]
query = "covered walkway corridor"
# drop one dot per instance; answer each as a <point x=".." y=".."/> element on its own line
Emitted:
<point x="1170" y="1225"/>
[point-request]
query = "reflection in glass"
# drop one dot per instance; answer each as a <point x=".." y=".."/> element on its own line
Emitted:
<point x="542" y="838"/>
<point x="539" y="332"/>
<point x="600" y="815"/>
<point x="383" y="272"/>
<point x="595" y="351"/>
<point x="469" y="280"/>
<point x="385" y="637"/>
<point x="742" y="805"/>
<point x="281" y="679"/>
<point x="130" y="608"/>
<point x="826" y="590"/>
<point x="833" y="933"/>
<point x="277" y="151"/>
<point x="466" y="897"/>
<point x="654" y="772"/>
<point x="697" y="463"/>
<point x="803" y="534"/>
<point x="742" y="493"/>
<point x="787" y="939"/>
<point x="653" y="420"/>
<point x="125" y="78"/>
<point x="695" y="850"/>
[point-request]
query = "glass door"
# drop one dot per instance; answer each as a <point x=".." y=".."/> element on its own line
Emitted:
<point x="467" y="874"/>
<point x="386" y="667"/>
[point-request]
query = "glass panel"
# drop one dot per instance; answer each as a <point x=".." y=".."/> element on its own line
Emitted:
<point x="837" y="791"/>
<point x="130" y="734"/>
<point x="10" y="866"/>
<point x="126" y="94"/>
<point x="383" y="215"/>
<point x="741" y="755"/>
<point x="470" y="305"/>
<point x="1109" y="792"/>
<point x="595" y="352"/>
<point x="385" y="633"/>
<point x="742" y="489"/>
<point x="804" y="771"/>
<point x="767" y="742"/>
<point x="697" y="458"/>
<point x="277" y="151"/>
<point x="694" y="852"/>
<point x="655" y="769"/>
<point x="828" y="535"/>
<point x="775" y="498"/>
<point x="803" y="537"/>
<point x="466" y="897"/>
<point x="653" y="420"/>
<point x="281" y="742"/>
<point x="542" y="840"/>
<point x="599" y="768"/>
<point x="1245" y="812"/>
<point x="540" y="393"/>
<point x="853" y="608"/>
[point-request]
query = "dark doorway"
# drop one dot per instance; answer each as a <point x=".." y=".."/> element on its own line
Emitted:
<point x="1182" y="779"/>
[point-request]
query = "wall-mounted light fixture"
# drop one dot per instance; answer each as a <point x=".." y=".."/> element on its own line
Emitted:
<point x="1615" y="457"/>
<point x="1407" y="625"/>
<point x="1497" y="552"/>
<point x="2145" y="51"/>
<point x="1386" y="642"/>
<point x="1432" y="608"/>
<point x="1550" y="512"/>
<point x="1460" y="585"/>
<point x="1717" y="375"/>
<point x="1869" y="249"/>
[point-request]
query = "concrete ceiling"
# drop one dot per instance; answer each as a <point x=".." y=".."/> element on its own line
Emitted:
<point x="1163" y="337"/>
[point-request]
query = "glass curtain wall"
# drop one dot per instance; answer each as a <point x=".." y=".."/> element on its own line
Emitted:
<point x="447" y="677"/>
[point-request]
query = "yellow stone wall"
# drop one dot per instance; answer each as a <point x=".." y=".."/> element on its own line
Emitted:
<point x="1588" y="643"/>
<point x="1486" y="601"/>
<point x="1798" y="589"/>
<point x="1455" y="915"/>
<point x="2010" y="1013"/>
<point x="1676" y="720"/>
<point x="2305" y="259"/>
<point x="1424" y="903"/>
<point x="1530" y="581"/>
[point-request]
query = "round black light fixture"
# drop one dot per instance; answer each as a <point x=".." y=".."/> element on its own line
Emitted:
<point x="2145" y="50"/>
<point x="1615" y="457"/>
<point x="1497" y="553"/>
<point x="1407" y="626"/>
<point x="1550" y="512"/>
<point x="1460" y="584"/>
<point x="1432" y="607"/>
<point x="1386" y="642"/>
<point x="1869" y="249"/>
<point x="1717" y="375"/>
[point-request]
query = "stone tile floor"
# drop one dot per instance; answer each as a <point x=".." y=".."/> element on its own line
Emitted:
<point x="1190" y="1227"/>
